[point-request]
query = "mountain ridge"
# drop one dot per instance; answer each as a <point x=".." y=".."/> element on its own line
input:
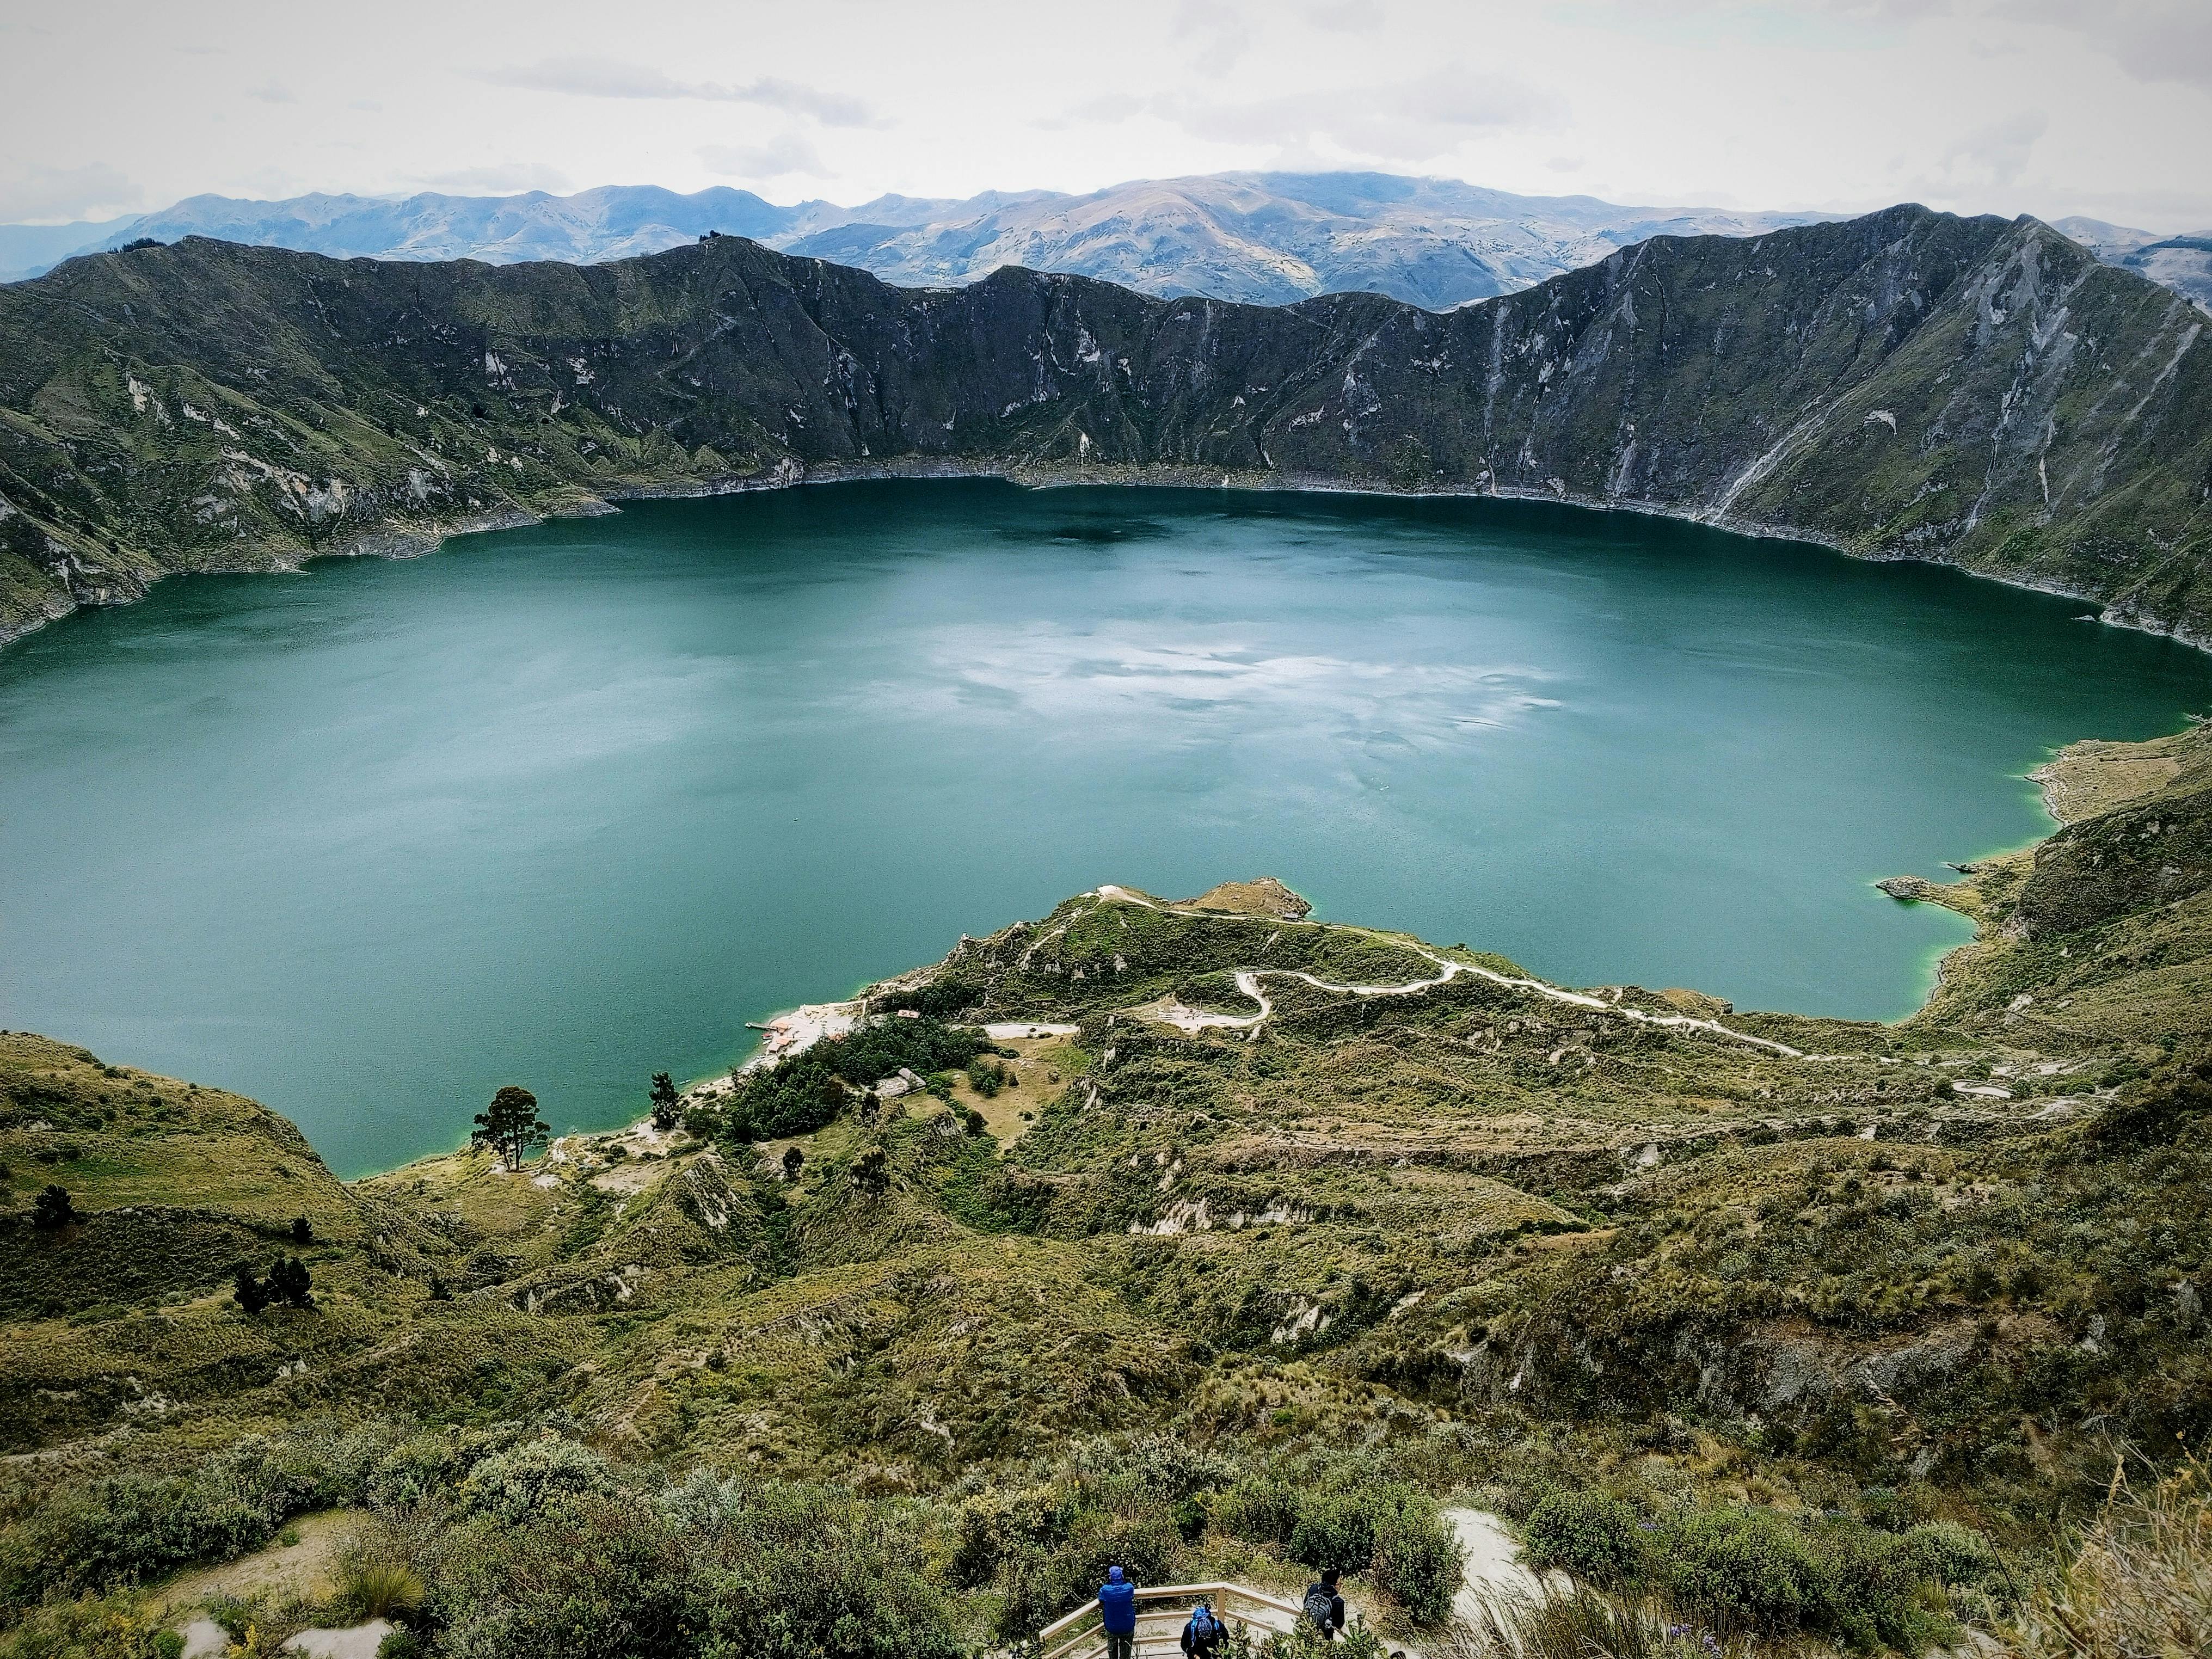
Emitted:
<point x="1909" y="384"/>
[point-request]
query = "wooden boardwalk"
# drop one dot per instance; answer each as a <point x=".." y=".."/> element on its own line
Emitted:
<point x="1162" y="1612"/>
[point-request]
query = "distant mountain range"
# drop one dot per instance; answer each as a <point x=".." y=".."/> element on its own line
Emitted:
<point x="2183" y="263"/>
<point x="1267" y="238"/>
<point x="1264" y="237"/>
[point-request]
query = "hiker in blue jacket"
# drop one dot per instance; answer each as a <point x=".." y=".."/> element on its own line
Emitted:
<point x="1202" y="1634"/>
<point x="1117" y="1614"/>
<point x="1324" y="1608"/>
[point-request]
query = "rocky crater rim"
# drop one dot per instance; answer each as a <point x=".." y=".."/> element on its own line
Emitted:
<point x="1975" y="392"/>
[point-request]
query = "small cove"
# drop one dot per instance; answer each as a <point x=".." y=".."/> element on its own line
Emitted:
<point x="569" y="805"/>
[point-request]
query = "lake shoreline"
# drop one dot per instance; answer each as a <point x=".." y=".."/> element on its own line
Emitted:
<point x="792" y="1031"/>
<point x="398" y="541"/>
<point x="1471" y="690"/>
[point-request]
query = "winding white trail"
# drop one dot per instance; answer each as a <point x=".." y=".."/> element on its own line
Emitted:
<point x="1194" y="1020"/>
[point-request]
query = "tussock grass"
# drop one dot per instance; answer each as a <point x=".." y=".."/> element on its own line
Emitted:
<point x="2139" y="1585"/>
<point x="374" y="1589"/>
<point x="1582" y="1625"/>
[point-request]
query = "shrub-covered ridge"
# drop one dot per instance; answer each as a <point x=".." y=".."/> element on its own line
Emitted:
<point x="1829" y="1336"/>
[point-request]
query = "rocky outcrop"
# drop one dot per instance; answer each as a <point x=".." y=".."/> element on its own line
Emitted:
<point x="1265" y="896"/>
<point x="1915" y="890"/>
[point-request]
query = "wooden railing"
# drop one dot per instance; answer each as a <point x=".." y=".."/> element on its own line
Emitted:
<point x="1162" y="1611"/>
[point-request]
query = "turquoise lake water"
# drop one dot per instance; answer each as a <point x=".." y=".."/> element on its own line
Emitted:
<point x="567" y="805"/>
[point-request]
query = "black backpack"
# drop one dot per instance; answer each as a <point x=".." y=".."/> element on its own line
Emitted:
<point x="1321" y="1605"/>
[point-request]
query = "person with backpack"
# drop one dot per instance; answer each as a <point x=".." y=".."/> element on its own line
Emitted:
<point x="1117" y="1614"/>
<point x="1202" y="1634"/>
<point x="1324" y="1606"/>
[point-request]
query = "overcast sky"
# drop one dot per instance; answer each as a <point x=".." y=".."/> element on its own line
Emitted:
<point x="2048" y="106"/>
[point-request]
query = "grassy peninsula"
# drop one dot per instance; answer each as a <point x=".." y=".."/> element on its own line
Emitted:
<point x="1823" y="1334"/>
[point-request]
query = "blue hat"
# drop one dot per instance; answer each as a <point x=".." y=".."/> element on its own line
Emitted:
<point x="1113" y="1575"/>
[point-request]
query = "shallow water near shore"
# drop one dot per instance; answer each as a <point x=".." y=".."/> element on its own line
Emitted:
<point x="567" y="805"/>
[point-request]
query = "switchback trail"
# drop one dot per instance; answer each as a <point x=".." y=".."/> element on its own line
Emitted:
<point x="1248" y="982"/>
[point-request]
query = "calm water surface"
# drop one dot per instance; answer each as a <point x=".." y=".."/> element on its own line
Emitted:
<point x="567" y="805"/>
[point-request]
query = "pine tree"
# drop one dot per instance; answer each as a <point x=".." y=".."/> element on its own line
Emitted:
<point x="250" y="1293"/>
<point x="793" y="1162"/>
<point x="665" y="1106"/>
<point x="511" y="1127"/>
<point x="288" y="1278"/>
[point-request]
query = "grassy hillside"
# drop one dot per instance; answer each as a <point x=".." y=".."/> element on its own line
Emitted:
<point x="1204" y="1292"/>
<point x="1906" y="384"/>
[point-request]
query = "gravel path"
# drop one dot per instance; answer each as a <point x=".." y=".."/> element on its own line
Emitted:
<point x="1194" y="1020"/>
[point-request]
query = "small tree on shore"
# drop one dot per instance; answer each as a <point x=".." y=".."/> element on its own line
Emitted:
<point x="51" y="1210"/>
<point x="248" y="1291"/>
<point x="666" y="1108"/>
<point x="511" y="1127"/>
<point x="793" y="1162"/>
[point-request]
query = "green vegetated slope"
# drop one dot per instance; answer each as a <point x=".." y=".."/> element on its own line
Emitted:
<point x="1905" y="383"/>
<point x="1212" y="1301"/>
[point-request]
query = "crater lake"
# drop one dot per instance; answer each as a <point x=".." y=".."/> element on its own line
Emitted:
<point x="567" y="805"/>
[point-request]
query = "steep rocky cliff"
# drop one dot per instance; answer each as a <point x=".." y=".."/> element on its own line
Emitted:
<point x="1908" y="383"/>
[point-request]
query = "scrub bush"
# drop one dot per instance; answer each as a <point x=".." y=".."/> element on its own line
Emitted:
<point x="1348" y="1515"/>
<point x="94" y="1535"/>
<point x="1419" y="1559"/>
<point x="1756" y="1571"/>
<point x="536" y="1477"/>
<point x="92" y="1627"/>
<point x="1740" y="1567"/>
<point x="769" y="1570"/>
<point x="1592" y="1535"/>
<point x="798" y="1096"/>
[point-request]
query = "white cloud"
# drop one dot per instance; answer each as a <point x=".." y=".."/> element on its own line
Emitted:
<point x="1113" y="107"/>
<point x="501" y="179"/>
<point x="1416" y="122"/>
<point x="780" y="158"/>
<point x="608" y="77"/>
<point x="2151" y="39"/>
<point x="94" y="191"/>
<point x="1998" y="153"/>
<point x="1831" y="105"/>
<point x="1347" y="15"/>
<point x="271" y="91"/>
<point x="1220" y="30"/>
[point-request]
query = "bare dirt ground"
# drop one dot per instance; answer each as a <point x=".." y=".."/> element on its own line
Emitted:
<point x="283" y="1571"/>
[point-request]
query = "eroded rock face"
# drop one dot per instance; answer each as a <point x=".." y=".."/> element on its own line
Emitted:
<point x="1905" y="383"/>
